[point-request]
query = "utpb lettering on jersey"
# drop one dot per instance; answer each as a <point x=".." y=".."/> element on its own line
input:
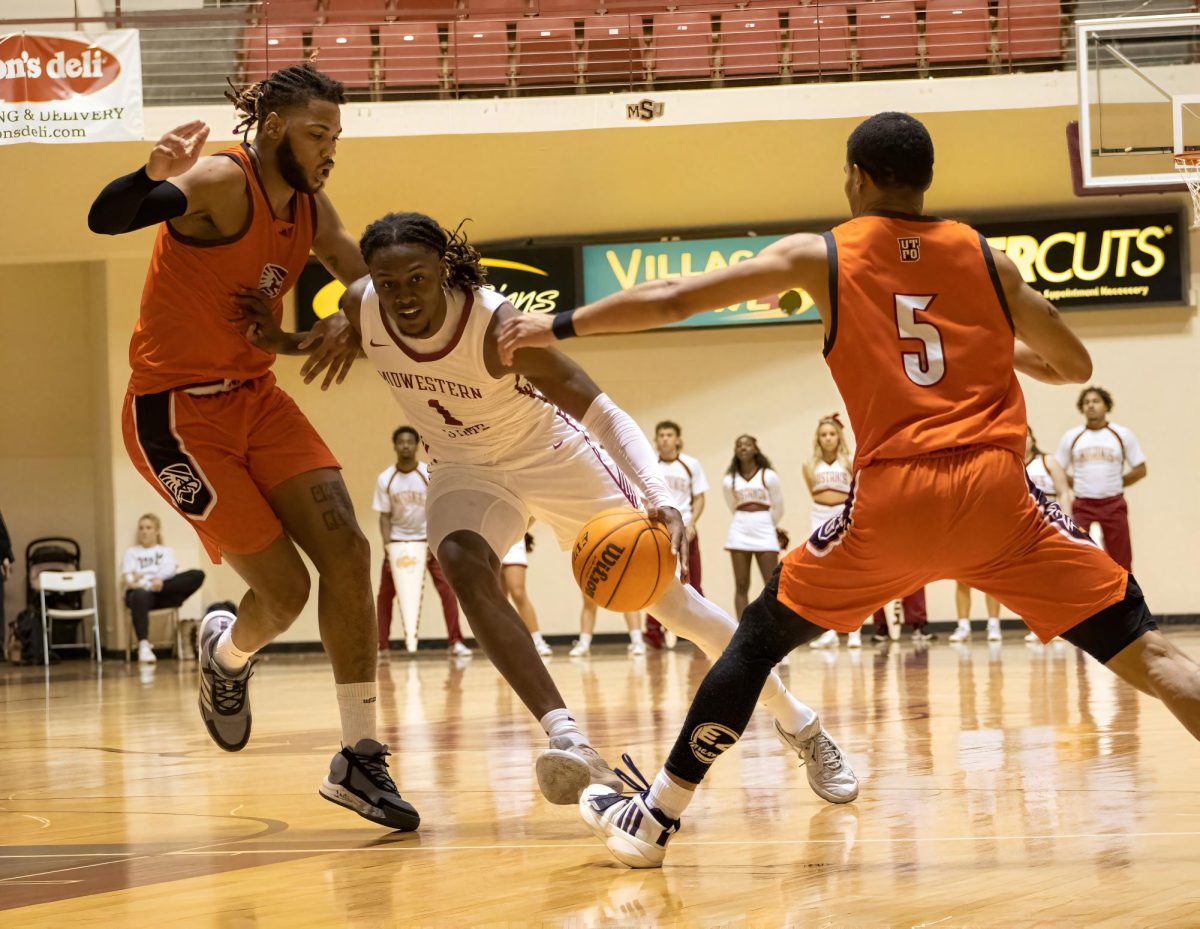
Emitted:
<point x="436" y="385"/>
<point x="910" y="248"/>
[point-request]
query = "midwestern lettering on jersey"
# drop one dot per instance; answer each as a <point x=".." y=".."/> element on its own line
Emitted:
<point x="435" y="385"/>
<point x="1035" y="261"/>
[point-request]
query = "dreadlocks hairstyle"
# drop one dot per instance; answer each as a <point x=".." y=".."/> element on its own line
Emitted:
<point x="463" y="263"/>
<point x="293" y="86"/>
<point x="761" y="460"/>
<point x="1103" y="394"/>
<point x="843" y="447"/>
<point x="894" y="149"/>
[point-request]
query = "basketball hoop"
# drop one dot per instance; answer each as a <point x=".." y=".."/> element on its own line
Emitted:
<point x="1188" y="166"/>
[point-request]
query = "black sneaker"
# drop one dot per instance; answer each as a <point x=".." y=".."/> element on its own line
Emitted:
<point x="358" y="780"/>
<point x="224" y="699"/>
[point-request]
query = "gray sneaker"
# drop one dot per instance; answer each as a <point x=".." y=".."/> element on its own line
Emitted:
<point x="358" y="780"/>
<point x="566" y="768"/>
<point x="224" y="700"/>
<point x="829" y="775"/>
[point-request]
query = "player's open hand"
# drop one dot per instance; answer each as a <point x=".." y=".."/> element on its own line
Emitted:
<point x="262" y="328"/>
<point x="670" y="518"/>
<point x="524" y="331"/>
<point x="177" y="151"/>
<point x="332" y="346"/>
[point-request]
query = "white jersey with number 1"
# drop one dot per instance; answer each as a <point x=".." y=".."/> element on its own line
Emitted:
<point x="501" y="453"/>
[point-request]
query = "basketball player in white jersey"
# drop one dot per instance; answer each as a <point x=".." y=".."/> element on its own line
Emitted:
<point x="502" y="452"/>
<point x="1094" y="456"/>
<point x="686" y="484"/>
<point x="755" y="495"/>
<point x="400" y="502"/>
<point x="513" y="568"/>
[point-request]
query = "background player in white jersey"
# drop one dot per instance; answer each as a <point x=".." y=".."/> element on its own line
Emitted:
<point x="687" y="484"/>
<point x="754" y="494"/>
<point x="400" y="502"/>
<point x="1094" y="456"/>
<point x="513" y="568"/>
<point x="504" y="452"/>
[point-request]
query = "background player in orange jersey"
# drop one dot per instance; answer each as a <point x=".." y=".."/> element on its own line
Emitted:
<point x="206" y="425"/>
<point x="920" y="316"/>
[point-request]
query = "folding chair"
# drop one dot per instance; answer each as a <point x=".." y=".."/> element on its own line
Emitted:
<point x="69" y="582"/>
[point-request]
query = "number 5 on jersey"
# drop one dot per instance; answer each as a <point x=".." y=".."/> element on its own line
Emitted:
<point x="927" y="366"/>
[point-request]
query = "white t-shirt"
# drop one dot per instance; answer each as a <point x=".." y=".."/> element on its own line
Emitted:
<point x="1096" y="459"/>
<point x="401" y="496"/>
<point x="143" y="565"/>
<point x="685" y="479"/>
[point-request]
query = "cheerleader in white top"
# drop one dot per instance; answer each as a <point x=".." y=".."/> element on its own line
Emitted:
<point x="828" y="474"/>
<point x="754" y="494"/>
<point x="513" y="568"/>
<point x="1048" y="476"/>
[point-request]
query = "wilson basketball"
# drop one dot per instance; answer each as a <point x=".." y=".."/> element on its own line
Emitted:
<point x="622" y="561"/>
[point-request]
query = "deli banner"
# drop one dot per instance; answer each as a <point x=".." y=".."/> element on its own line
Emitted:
<point x="66" y="87"/>
<point x="534" y="279"/>
<point x="1078" y="262"/>
<point x="609" y="269"/>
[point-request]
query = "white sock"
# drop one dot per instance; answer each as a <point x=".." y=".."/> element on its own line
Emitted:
<point x="585" y="639"/>
<point x="537" y="639"/>
<point x="668" y="796"/>
<point x="964" y="624"/>
<point x="635" y="636"/>
<point x="356" y="703"/>
<point x="795" y="717"/>
<point x="231" y="658"/>
<point x="560" y="722"/>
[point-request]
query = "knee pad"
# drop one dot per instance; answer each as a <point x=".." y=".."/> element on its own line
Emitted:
<point x="771" y="630"/>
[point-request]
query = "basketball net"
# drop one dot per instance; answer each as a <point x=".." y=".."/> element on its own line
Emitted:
<point x="1188" y="166"/>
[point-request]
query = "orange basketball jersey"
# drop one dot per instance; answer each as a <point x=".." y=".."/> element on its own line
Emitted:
<point x="920" y="340"/>
<point x="189" y="331"/>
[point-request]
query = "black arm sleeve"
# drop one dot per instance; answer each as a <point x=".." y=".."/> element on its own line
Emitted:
<point x="134" y="202"/>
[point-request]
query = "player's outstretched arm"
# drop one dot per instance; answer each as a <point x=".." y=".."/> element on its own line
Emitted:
<point x="797" y="260"/>
<point x="1047" y="349"/>
<point x="174" y="182"/>
<point x="334" y="246"/>
<point x="332" y="345"/>
<point x="565" y="384"/>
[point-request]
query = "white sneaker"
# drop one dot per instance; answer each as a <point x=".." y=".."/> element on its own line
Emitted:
<point x="670" y="640"/>
<point x="637" y="649"/>
<point x="145" y="653"/>
<point x="579" y="650"/>
<point x="827" y="639"/>
<point x="993" y="631"/>
<point x="410" y="645"/>
<point x="854" y="639"/>
<point x="566" y="768"/>
<point x="1032" y="639"/>
<point x="543" y="648"/>
<point x="633" y="831"/>
<point x="829" y="775"/>
<point x="459" y="650"/>
<point x="961" y="634"/>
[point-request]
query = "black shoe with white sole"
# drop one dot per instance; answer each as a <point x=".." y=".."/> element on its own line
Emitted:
<point x="358" y="780"/>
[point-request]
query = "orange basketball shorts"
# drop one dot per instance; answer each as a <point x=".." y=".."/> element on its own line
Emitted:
<point x="216" y="458"/>
<point x="969" y="514"/>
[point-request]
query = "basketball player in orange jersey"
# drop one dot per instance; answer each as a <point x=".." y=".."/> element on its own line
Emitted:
<point x="506" y="445"/>
<point x="920" y="316"/>
<point x="206" y="425"/>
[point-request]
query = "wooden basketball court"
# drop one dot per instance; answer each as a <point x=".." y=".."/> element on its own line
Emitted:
<point x="1002" y="786"/>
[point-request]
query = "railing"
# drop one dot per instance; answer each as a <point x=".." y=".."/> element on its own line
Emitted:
<point x="404" y="49"/>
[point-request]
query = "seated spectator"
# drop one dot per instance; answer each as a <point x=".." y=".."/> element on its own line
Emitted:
<point x="152" y="580"/>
